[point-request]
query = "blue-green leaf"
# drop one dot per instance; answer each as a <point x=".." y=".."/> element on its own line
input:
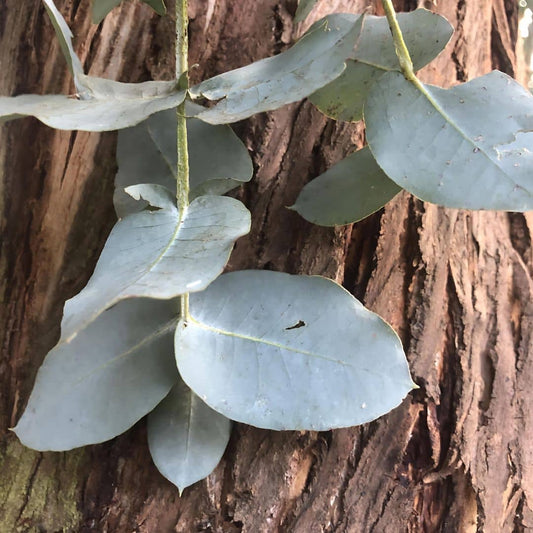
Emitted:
<point x="218" y="160"/>
<point x="425" y="33"/>
<point x="304" y="8"/>
<point x="289" y="352"/>
<point x="186" y="437"/>
<point x="127" y="108"/>
<point x="64" y="36"/>
<point x="159" y="253"/>
<point x="315" y="60"/>
<point x="467" y="147"/>
<point x="349" y="191"/>
<point x="100" y="105"/>
<point x="102" y="7"/>
<point x="157" y="5"/>
<point x="111" y="375"/>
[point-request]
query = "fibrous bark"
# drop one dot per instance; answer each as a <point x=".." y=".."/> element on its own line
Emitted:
<point x="456" y="456"/>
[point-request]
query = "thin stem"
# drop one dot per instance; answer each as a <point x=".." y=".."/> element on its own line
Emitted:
<point x="402" y="53"/>
<point x="182" y="175"/>
<point x="182" y="41"/>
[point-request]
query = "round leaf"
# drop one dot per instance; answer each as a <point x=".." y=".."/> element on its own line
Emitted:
<point x="426" y="35"/>
<point x="159" y="253"/>
<point x="111" y="375"/>
<point x="467" y="147"/>
<point x="218" y="160"/>
<point x="349" y="191"/>
<point x="315" y="60"/>
<point x="289" y="352"/>
<point x="186" y="437"/>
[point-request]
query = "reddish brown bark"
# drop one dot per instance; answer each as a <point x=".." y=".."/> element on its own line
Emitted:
<point x="456" y="456"/>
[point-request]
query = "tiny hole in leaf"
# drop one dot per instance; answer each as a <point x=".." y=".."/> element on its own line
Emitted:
<point x="299" y="324"/>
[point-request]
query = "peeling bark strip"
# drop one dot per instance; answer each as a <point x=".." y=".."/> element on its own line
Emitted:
<point x="456" y="456"/>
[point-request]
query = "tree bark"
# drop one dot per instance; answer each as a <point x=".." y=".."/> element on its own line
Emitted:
<point x="456" y="456"/>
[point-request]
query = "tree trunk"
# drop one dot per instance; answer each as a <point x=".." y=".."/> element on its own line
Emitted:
<point x="456" y="456"/>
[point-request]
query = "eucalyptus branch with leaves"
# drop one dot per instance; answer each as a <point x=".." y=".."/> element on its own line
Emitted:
<point x="160" y="331"/>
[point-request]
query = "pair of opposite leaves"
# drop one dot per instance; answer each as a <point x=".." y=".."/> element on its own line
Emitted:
<point x="262" y="406"/>
<point x="109" y="371"/>
<point x="256" y="348"/>
<point x="467" y="147"/>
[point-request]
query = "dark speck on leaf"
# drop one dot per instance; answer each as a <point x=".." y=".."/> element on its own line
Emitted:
<point x="299" y="324"/>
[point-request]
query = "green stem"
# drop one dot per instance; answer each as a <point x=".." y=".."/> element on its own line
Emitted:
<point x="182" y="175"/>
<point x="402" y="53"/>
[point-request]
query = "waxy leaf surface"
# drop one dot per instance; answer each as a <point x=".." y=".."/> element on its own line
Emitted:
<point x="315" y="60"/>
<point x="349" y="191"/>
<point x="159" y="253"/>
<point x="467" y="147"/>
<point x="100" y="105"/>
<point x="111" y="375"/>
<point x="186" y="437"/>
<point x="304" y="8"/>
<point x="289" y="352"/>
<point x="102" y="7"/>
<point x="426" y="35"/>
<point x="218" y="161"/>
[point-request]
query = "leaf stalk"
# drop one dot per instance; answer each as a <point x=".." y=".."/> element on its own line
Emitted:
<point x="182" y="175"/>
<point x="402" y="52"/>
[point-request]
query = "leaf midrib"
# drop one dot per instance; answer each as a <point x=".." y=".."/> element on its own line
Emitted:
<point x="258" y="340"/>
<point x="144" y="341"/>
<point x="435" y="104"/>
<point x="228" y="92"/>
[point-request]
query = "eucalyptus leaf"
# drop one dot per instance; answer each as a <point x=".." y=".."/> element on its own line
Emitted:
<point x="289" y="352"/>
<point x="96" y="387"/>
<point x="218" y="160"/>
<point x="186" y="437"/>
<point x="102" y="7"/>
<point x="157" y="5"/>
<point x="349" y="191"/>
<point x="426" y="35"/>
<point x="304" y="8"/>
<point x="315" y="60"/>
<point x="467" y="147"/>
<point x="100" y="105"/>
<point x="94" y="114"/>
<point x="64" y="36"/>
<point x="159" y="253"/>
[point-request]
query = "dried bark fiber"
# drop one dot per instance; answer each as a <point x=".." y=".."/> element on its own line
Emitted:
<point x="457" y="456"/>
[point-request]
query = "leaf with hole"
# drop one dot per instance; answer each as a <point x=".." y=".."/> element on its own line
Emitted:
<point x="159" y="253"/>
<point x="186" y="437"/>
<point x="315" y="60"/>
<point x="304" y="8"/>
<point x="102" y="7"/>
<point x="468" y="147"/>
<point x="101" y="104"/>
<point x="349" y="191"/>
<point x="426" y="35"/>
<point x="218" y="160"/>
<point x="289" y="352"/>
<point x="100" y="384"/>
